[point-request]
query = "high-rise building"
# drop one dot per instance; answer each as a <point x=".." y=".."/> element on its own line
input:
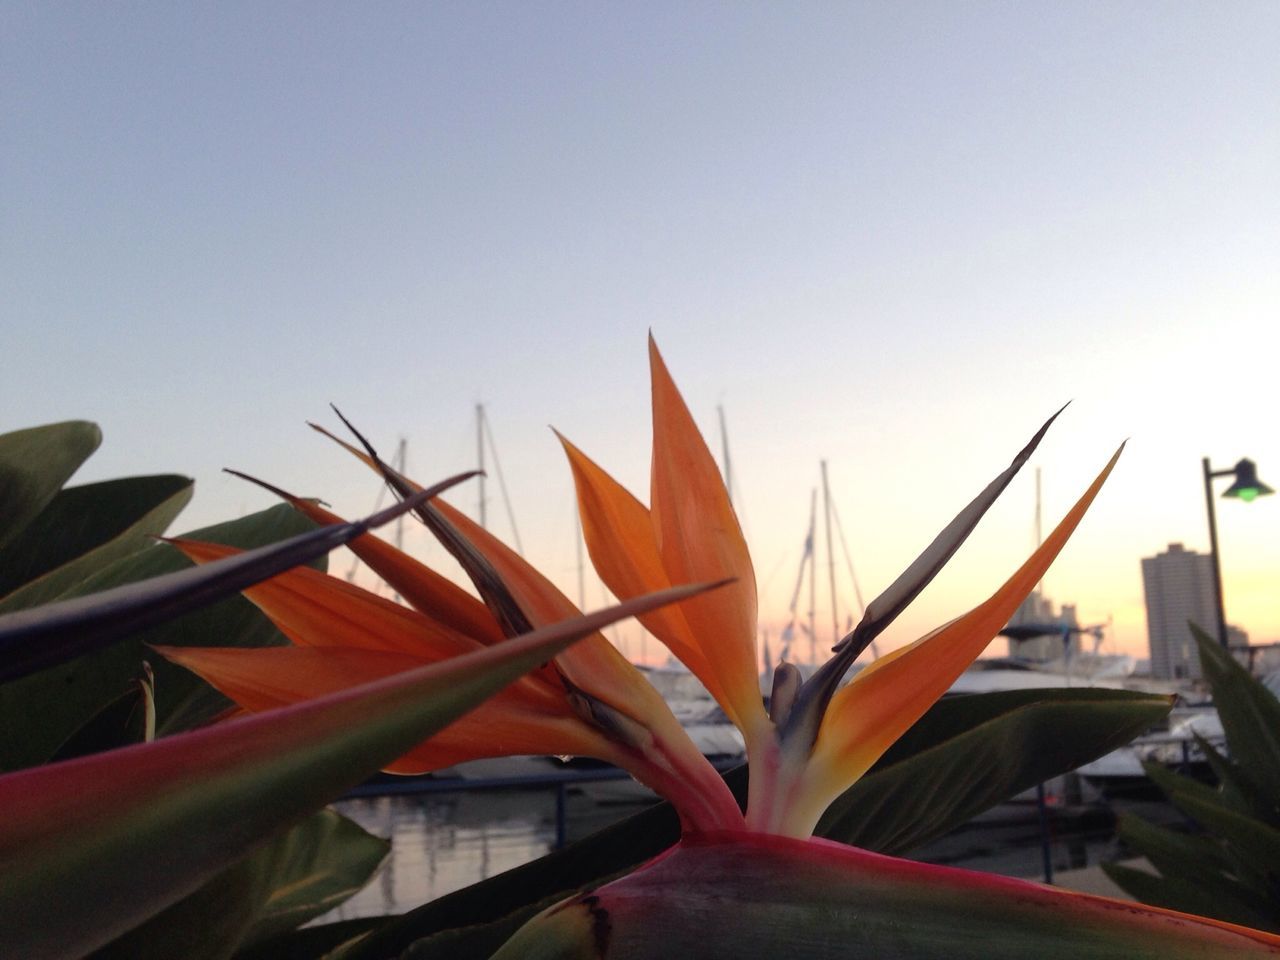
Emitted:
<point x="1179" y="589"/>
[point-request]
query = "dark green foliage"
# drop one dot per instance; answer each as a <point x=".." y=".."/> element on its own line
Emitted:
<point x="82" y="530"/>
<point x="67" y="695"/>
<point x="58" y="543"/>
<point x="34" y="464"/>
<point x="1230" y="869"/>
<point x="297" y="875"/>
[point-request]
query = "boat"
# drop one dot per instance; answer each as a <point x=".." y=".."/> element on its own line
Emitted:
<point x="1177" y="747"/>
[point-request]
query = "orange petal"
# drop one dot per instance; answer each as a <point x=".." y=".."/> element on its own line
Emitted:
<point x="670" y="764"/>
<point x="594" y="664"/>
<point x="508" y="724"/>
<point x="422" y="588"/>
<point x="316" y="610"/>
<point x="882" y="701"/>
<point x="619" y="537"/>
<point x="699" y="539"/>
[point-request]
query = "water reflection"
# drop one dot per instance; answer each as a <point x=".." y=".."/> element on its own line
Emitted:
<point x="443" y="843"/>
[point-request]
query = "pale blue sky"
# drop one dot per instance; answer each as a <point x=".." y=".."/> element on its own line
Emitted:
<point x="893" y="235"/>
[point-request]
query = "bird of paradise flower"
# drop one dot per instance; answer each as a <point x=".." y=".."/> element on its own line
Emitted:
<point x="815" y="739"/>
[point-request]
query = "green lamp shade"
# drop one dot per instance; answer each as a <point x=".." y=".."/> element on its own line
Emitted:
<point x="1247" y="485"/>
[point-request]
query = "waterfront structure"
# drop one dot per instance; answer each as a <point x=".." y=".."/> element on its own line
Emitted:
<point x="1179" y="588"/>
<point x="1060" y="639"/>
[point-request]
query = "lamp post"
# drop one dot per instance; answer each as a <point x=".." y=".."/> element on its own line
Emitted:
<point x="1247" y="486"/>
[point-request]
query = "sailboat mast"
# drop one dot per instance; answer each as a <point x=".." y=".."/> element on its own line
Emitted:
<point x="582" y="576"/>
<point x="1038" y="530"/>
<point x="813" y="577"/>
<point x="402" y="468"/>
<point x="727" y="467"/>
<point x="480" y="461"/>
<point x="831" y="557"/>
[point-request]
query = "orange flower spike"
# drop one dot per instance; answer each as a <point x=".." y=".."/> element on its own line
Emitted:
<point x="421" y="587"/>
<point x="337" y="624"/>
<point x="699" y="538"/>
<point x="594" y="664"/>
<point x="668" y="762"/>
<point x="314" y="609"/>
<point x="619" y="536"/>
<point x="597" y="668"/>
<point x="512" y="722"/>
<point x="885" y="699"/>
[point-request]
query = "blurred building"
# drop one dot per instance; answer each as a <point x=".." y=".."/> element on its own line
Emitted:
<point x="1178" y="585"/>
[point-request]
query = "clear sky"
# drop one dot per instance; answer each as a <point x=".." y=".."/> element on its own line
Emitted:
<point x="894" y="236"/>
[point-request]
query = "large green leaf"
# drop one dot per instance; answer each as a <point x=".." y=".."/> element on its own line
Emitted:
<point x="104" y="842"/>
<point x="299" y="874"/>
<point x="1009" y="743"/>
<point x="34" y="464"/>
<point x="82" y="530"/>
<point x="40" y="711"/>
<point x="1079" y="725"/>
<point x="750" y="897"/>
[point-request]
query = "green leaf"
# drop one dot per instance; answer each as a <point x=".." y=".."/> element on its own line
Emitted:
<point x="82" y="530"/>
<point x="299" y="874"/>
<point x="1250" y="717"/>
<point x="1231" y="872"/>
<point x="470" y="943"/>
<point x="322" y="863"/>
<point x="1210" y="874"/>
<point x="1255" y="844"/>
<point x="1171" y="851"/>
<point x="105" y="842"/>
<point x="42" y="710"/>
<point x="1009" y="743"/>
<point x="309" y="942"/>
<point x="34" y="464"/>
<point x="1176" y="785"/>
<point x="1188" y="896"/>
<point x="750" y="897"/>
<point x="1091" y="721"/>
<point x="121" y="723"/>
<point x="1237" y="789"/>
<point x="31" y="640"/>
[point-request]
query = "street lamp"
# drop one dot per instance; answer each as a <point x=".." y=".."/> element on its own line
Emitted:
<point x="1247" y="486"/>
